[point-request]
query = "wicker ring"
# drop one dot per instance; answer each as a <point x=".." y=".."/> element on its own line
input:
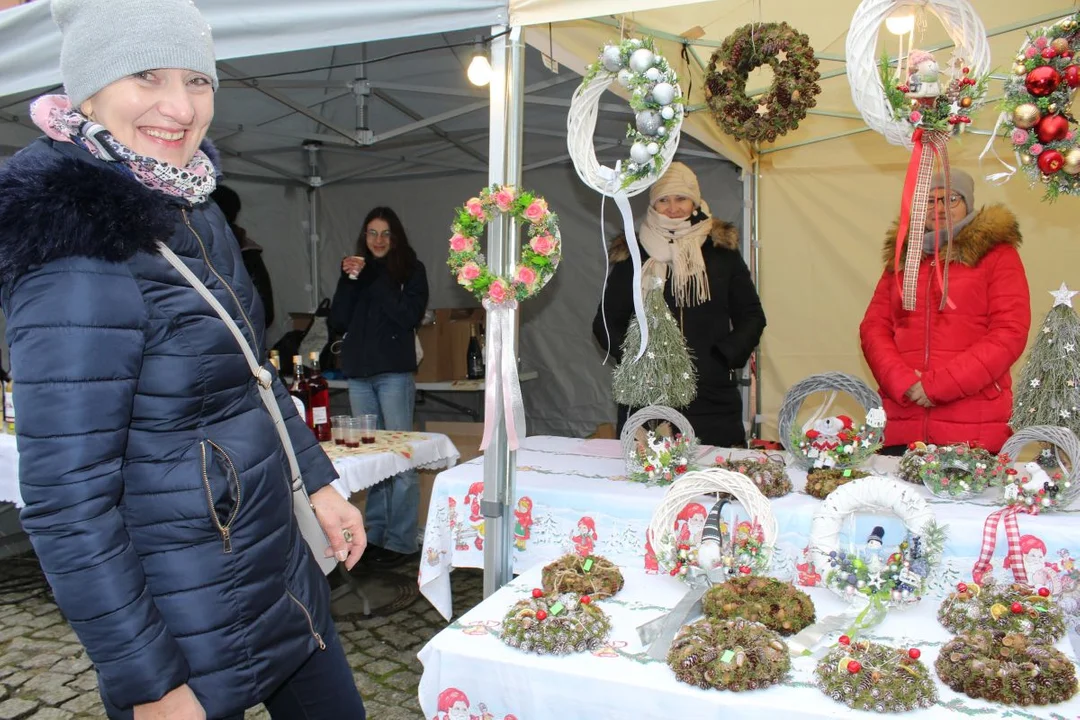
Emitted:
<point x="1019" y="489"/>
<point x="829" y="382"/>
<point x="647" y="414"/>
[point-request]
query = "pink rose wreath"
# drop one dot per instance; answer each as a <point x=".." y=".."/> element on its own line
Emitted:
<point x="540" y="257"/>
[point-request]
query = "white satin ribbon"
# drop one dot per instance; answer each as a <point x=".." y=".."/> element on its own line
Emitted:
<point x="998" y="178"/>
<point x="622" y="201"/>
<point x="501" y="364"/>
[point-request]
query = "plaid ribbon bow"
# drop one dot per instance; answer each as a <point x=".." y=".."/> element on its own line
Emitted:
<point x="1015" y="559"/>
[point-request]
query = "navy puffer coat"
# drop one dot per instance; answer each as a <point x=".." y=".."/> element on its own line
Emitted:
<point x="155" y="485"/>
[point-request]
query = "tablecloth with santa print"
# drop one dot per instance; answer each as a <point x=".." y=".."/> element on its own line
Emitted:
<point x="469" y="673"/>
<point x="573" y="496"/>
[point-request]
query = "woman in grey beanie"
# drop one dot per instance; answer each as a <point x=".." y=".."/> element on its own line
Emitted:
<point x="157" y="489"/>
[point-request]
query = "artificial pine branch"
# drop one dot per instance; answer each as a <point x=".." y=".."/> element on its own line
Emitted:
<point x="665" y="374"/>
<point x="1048" y="392"/>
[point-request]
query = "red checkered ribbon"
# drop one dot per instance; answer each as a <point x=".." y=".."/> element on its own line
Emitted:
<point x="1015" y="559"/>
<point x="929" y="146"/>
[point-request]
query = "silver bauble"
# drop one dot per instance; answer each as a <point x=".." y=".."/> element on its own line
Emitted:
<point x="667" y="112"/>
<point x="636" y="42"/>
<point x="641" y="60"/>
<point x="611" y="58"/>
<point x="652" y="74"/>
<point x="648" y="122"/>
<point x="639" y="153"/>
<point x="625" y="76"/>
<point x="661" y="131"/>
<point x="663" y="93"/>
<point x="653" y="149"/>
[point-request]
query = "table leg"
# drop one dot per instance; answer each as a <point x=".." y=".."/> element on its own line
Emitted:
<point x="425" y="395"/>
<point x="349" y="586"/>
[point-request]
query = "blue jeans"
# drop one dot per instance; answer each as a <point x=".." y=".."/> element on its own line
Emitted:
<point x="322" y="689"/>
<point x="393" y="504"/>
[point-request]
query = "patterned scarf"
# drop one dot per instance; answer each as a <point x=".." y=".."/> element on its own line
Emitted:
<point x="61" y="122"/>
<point x="675" y="245"/>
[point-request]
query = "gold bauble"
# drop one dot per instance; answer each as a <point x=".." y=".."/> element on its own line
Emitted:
<point x="1060" y="45"/>
<point x="1019" y="69"/>
<point x="1052" y="108"/>
<point x="1026" y="116"/>
<point x="1026" y="159"/>
<point x="965" y="102"/>
<point x="1020" y="58"/>
<point x="1072" y="161"/>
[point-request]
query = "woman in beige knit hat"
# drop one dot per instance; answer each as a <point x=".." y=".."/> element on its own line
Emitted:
<point x="709" y="291"/>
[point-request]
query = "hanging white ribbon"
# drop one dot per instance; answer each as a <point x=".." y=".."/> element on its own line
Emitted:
<point x="998" y="178"/>
<point x="622" y="201"/>
<point x="501" y="364"/>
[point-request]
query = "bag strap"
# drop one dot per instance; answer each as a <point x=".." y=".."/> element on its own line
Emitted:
<point x="264" y="379"/>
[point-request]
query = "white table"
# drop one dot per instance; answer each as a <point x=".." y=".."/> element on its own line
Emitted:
<point x="578" y="499"/>
<point x="621" y="681"/>
<point x="357" y="471"/>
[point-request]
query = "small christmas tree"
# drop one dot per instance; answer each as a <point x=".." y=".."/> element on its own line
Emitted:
<point x="1048" y="391"/>
<point x="665" y="374"/>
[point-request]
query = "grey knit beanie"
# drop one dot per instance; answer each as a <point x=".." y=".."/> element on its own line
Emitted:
<point x="959" y="182"/>
<point x="105" y="40"/>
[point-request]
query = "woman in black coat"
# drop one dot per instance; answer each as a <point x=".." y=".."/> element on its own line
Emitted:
<point x="709" y="291"/>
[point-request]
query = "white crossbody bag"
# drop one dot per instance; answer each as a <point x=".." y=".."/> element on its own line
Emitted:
<point x="303" y="510"/>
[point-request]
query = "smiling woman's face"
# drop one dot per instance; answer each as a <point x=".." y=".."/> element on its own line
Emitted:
<point x="163" y="113"/>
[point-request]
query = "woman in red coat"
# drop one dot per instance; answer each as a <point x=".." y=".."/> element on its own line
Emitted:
<point x="944" y="371"/>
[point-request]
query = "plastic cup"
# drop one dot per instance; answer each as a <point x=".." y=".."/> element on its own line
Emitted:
<point x="368" y="424"/>
<point x="338" y="428"/>
<point x="352" y="433"/>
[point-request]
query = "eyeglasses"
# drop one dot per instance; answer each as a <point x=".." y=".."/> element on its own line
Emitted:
<point x="954" y="200"/>
<point x="373" y="233"/>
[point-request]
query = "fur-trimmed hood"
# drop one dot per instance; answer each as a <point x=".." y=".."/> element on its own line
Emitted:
<point x="723" y="235"/>
<point x="992" y="226"/>
<point x="57" y="201"/>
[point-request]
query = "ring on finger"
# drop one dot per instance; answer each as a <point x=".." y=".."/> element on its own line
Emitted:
<point x="348" y="535"/>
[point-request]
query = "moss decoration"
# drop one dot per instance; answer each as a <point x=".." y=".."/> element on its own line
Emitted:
<point x="595" y="576"/>
<point x="911" y="464"/>
<point x="768" y="474"/>
<point x="555" y="624"/>
<point x="777" y="605"/>
<point x="870" y="676"/>
<point x="731" y="655"/>
<point x="1007" y="669"/>
<point x="822" y="481"/>
<point x="993" y="608"/>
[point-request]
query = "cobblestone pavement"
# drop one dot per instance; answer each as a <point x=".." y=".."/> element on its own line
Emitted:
<point x="45" y="674"/>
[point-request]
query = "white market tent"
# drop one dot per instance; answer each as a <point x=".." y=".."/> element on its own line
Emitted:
<point x="825" y="193"/>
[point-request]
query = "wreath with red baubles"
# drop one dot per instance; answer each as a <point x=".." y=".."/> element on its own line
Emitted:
<point x="1038" y="96"/>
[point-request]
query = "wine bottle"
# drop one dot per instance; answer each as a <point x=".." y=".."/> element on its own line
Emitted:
<point x="299" y="388"/>
<point x="319" y="406"/>
<point x="474" y="362"/>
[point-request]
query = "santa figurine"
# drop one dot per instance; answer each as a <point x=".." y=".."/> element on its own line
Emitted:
<point x="923" y="76"/>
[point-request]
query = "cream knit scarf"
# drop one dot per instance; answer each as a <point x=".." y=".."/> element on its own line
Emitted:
<point x="675" y="246"/>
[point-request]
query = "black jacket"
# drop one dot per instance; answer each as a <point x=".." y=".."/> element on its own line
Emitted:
<point x="379" y="318"/>
<point x="721" y="333"/>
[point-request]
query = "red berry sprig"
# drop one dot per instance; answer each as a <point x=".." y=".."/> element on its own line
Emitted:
<point x="541" y="615"/>
<point x="537" y="593"/>
<point x="961" y="587"/>
<point x="844" y="640"/>
<point x="1017" y="608"/>
<point x="585" y="600"/>
<point x="914" y="653"/>
<point x="854" y="667"/>
<point x="1044" y="592"/>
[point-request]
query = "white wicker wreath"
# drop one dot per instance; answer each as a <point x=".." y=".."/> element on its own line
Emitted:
<point x="1019" y="487"/>
<point x="628" y="438"/>
<point x="870" y="434"/>
<point x="617" y="63"/>
<point x="712" y="482"/>
<point x="961" y="23"/>
<point x="876" y="495"/>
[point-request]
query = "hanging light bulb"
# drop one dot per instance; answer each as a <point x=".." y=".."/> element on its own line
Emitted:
<point x="901" y="21"/>
<point x="479" y="71"/>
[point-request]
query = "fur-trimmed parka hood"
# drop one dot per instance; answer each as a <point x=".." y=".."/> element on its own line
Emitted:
<point x="58" y="201"/>
<point x="723" y="235"/>
<point x="992" y="226"/>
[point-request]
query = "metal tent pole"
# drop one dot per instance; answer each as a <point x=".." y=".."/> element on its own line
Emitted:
<point x="504" y="167"/>
<point x="314" y="182"/>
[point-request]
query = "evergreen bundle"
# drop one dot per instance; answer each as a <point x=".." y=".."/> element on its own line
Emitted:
<point x="1048" y="391"/>
<point x="665" y="374"/>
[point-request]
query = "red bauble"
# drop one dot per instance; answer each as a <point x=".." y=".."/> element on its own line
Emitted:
<point x="961" y="587"/>
<point x="844" y="640"/>
<point x="1017" y="608"/>
<point x="914" y="653"/>
<point x="1050" y="161"/>
<point x="1049" y="53"/>
<point x="1072" y="75"/>
<point x="1044" y="592"/>
<point x="1042" y="81"/>
<point x="537" y="592"/>
<point x="745" y="569"/>
<point x="585" y="600"/>
<point x="541" y="615"/>
<point x="854" y="666"/>
<point x="1051" y="128"/>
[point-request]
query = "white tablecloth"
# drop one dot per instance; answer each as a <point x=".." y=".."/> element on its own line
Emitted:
<point x="620" y="681"/>
<point x="357" y="472"/>
<point x="573" y="495"/>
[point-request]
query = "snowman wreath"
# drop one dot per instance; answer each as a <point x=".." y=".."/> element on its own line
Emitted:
<point x="831" y="441"/>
